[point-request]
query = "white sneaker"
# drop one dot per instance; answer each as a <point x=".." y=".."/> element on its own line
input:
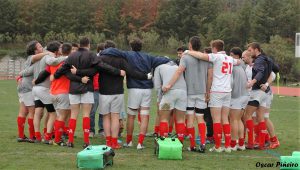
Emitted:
<point x="227" y="150"/>
<point x="241" y="148"/>
<point x="140" y="146"/>
<point x="128" y="144"/>
<point x="91" y="135"/>
<point x="234" y="148"/>
<point x="213" y="149"/>
<point x="194" y="149"/>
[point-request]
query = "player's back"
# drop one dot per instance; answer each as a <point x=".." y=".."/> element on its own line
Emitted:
<point x="166" y="71"/>
<point x="222" y="71"/>
<point x="239" y="82"/>
<point x="60" y="85"/>
<point x="192" y="74"/>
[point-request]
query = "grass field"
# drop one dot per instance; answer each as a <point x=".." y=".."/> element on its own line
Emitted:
<point x="285" y="115"/>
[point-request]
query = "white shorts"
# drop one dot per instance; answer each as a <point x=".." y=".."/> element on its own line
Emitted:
<point x="267" y="103"/>
<point x="219" y="99"/>
<point x="239" y="103"/>
<point x="26" y="98"/>
<point x="139" y="98"/>
<point x="111" y="103"/>
<point x="258" y="95"/>
<point x="86" y="98"/>
<point x="123" y="111"/>
<point x="61" y="101"/>
<point x="197" y="101"/>
<point x="42" y="93"/>
<point x="174" y="99"/>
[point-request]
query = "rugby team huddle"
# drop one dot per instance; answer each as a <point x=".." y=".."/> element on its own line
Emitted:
<point x="66" y="78"/>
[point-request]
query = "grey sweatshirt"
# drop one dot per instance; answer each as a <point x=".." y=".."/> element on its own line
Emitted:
<point x="41" y="65"/>
<point x="27" y="77"/>
<point x="239" y="82"/>
<point x="163" y="74"/>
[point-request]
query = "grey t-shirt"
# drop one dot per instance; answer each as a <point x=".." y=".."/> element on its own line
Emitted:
<point x="239" y="82"/>
<point x="195" y="74"/>
<point x="163" y="74"/>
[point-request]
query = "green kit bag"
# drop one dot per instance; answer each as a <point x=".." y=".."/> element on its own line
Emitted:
<point x="95" y="157"/>
<point x="290" y="162"/>
<point x="168" y="148"/>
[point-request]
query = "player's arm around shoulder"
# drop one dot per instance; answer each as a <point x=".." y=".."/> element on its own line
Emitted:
<point x="198" y="54"/>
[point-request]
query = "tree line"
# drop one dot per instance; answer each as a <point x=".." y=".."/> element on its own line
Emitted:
<point x="162" y="24"/>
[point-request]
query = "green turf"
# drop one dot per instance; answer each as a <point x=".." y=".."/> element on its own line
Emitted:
<point x="285" y="115"/>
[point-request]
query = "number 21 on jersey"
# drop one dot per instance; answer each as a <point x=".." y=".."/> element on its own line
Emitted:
<point x="226" y="68"/>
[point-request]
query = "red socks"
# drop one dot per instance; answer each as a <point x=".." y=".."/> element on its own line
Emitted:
<point x="86" y="129"/>
<point x="141" y="138"/>
<point x="38" y="136"/>
<point x="72" y="125"/>
<point x="156" y="129"/>
<point x="233" y="143"/>
<point x="66" y="130"/>
<point x="250" y="126"/>
<point x="170" y="128"/>
<point x="128" y="138"/>
<point x="45" y="130"/>
<point x="273" y="139"/>
<point x="256" y="132"/>
<point x="262" y="134"/>
<point x="163" y="129"/>
<point x="108" y="141"/>
<point x="202" y="132"/>
<point x="30" y="128"/>
<point x="191" y="133"/>
<point x="59" y="128"/>
<point x="180" y="130"/>
<point x="114" y="141"/>
<point x="241" y="141"/>
<point x="48" y="136"/>
<point x="21" y="122"/>
<point x="226" y="130"/>
<point x="217" y="134"/>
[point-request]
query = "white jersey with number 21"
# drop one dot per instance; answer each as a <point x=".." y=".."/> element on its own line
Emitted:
<point x="222" y="70"/>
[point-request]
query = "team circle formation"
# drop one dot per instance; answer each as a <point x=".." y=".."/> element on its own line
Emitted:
<point x="228" y="96"/>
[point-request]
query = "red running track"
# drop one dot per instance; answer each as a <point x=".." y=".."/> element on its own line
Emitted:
<point x="286" y="91"/>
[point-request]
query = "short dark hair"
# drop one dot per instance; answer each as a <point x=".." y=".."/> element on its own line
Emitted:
<point x="100" y="47"/>
<point x="181" y="48"/>
<point x="207" y="50"/>
<point x="31" y="47"/>
<point x="53" y="46"/>
<point x="136" y="44"/>
<point x="66" y="48"/>
<point x="255" y="45"/>
<point x="84" y="42"/>
<point x="75" y="45"/>
<point x="109" y="43"/>
<point x="236" y="51"/>
<point x="195" y="42"/>
<point x="218" y="44"/>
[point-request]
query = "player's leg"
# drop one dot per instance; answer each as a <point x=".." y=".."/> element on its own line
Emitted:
<point x="156" y="125"/>
<point x="23" y="111"/>
<point x="215" y="109"/>
<point x="144" y="111"/>
<point x="38" y="114"/>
